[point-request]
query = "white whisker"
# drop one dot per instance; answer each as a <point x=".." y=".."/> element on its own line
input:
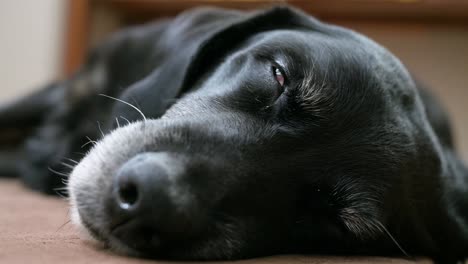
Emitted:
<point x="61" y="195"/>
<point x="90" y="141"/>
<point x="99" y="127"/>
<point x="385" y="230"/>
<point x="128" y="121"/>
<point x="129" y="104"/>
<point x="117" y="120"/>
<point x="58" y="173"/>
<point x="67" y="165"/>
<point x="72" y="160"/>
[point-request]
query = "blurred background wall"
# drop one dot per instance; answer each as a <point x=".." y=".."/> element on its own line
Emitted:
<point x="42" y="40"/>
<point x="31" y="44"/>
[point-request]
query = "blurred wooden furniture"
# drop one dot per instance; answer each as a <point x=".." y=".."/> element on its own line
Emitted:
<point x="84" y="13"/>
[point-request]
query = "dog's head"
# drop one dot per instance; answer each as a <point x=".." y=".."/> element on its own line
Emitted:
<point x="292" y="136"/>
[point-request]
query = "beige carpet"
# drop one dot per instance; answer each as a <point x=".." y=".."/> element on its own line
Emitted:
<point x="32" y="230"/>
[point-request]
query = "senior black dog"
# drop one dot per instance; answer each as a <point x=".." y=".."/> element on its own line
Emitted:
<point x="229" y="134"/>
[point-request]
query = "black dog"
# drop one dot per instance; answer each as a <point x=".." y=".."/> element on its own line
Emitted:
<point x="244" y="134"/>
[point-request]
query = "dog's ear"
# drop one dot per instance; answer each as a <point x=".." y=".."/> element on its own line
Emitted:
<point x="227" y="38"/>
<point x="19" y="117"/>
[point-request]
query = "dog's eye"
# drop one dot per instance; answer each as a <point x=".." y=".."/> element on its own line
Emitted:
<point x="279" y="76"/>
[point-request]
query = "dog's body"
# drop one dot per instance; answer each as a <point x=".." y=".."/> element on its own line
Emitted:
<point x="259" y="133"/>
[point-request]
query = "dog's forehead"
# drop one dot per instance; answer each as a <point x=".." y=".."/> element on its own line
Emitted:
<point x="342" y="52"/>
<point x="308" y="48"/>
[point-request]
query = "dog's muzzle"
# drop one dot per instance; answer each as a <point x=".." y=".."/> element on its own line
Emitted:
<point x="156" y="186"/>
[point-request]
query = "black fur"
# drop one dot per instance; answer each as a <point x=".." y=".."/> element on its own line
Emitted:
<point x="350" y="159"/>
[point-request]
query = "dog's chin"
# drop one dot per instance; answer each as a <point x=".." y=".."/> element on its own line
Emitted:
<point x="76" y="220"/>
<point x="84" y="233"/>
<point x="98" y="239"/>
<point x="121" y="248"/>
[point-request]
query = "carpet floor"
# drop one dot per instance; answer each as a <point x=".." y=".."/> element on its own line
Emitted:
<point x="34" y="229"/>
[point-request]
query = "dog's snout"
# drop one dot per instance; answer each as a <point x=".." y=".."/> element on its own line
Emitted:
<point x="150" y="203"/>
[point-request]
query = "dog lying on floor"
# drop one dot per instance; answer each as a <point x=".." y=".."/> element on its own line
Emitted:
<point x="229" y="134"/>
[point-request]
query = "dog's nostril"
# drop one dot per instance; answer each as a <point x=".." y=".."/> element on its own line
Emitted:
<point x="127" y="194"/>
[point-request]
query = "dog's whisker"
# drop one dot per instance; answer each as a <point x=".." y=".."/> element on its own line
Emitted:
<point x="117" y="120"/>
<point x="61" y="195"/>
<point x="385" y="230"/>
<point x="67" y="165"/>
<point x="63" y="225"/>
<point x="62" y="192"/>
<point x="127" y="103"/>
<point x="72" y="160"/>
<point x="99" y="127"/>
<point x="128" y="121"/>
<point x="90" y="141"/>
<point x="85" y="144"/>
<point x="58" y="173"/>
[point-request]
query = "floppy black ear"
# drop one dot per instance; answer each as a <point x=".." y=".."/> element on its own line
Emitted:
<point x="213" y="49"/>
<point x="19" y="118"/>
<point x="21" y="115"/>
<point x="198" y="40"/>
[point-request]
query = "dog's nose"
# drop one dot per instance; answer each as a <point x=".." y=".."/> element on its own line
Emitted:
<point x="142" y="181"/>
<point x="150" y="201"/>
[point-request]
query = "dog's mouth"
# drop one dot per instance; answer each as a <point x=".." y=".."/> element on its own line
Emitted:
<point x="110" y="238"/>
<point x="148" y="240"/>
<point x="220" y="238"/>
